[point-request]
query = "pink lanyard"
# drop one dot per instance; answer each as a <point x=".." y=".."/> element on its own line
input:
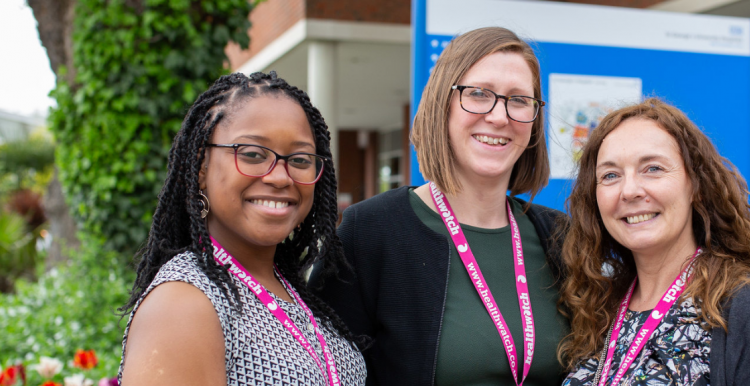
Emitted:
<point x="644" y="334"/>
<point x="223" y="257"/>
<point x="472" y="267"/>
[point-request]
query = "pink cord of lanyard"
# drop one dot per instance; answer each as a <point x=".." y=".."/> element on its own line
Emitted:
<point x="235" y="268"/>
<point x="644" y="334"/>
<point x="472" y="267"/>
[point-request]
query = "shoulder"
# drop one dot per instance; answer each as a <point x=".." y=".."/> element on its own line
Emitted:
<point x="736" y="312"/>
<point x="386" y="201"/>
<point x="183" y="268"/>
<point x="171" y="302"/>
<point x="549" y="225"/>
<point x="547" y="222"/>
<point x="729" y="353"/>
<point x="182" y="278"/>
<point x="180" y="288"/>
<point x="184" y="265"/>
<point x="175" y="334"/>
<point x="737" y="307"/>
<point x="540" y="214"/>
<point x="377" y="215"/>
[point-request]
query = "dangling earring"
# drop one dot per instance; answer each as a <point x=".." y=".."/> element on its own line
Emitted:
<point x="205" y="205"/>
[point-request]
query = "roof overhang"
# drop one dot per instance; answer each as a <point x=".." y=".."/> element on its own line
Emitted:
<point x="371" y="62"/>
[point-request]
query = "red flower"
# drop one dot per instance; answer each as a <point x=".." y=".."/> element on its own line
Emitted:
<point x="22" y="372"/>
<point x="50" y="383"/>
<point x="10" y="375"/>
<point x="85" y="360"/>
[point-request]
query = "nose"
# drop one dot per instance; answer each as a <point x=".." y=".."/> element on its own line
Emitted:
<point x="498" y="115"/>
<point x="278" y="177"/>
<point x="632" y="187"/>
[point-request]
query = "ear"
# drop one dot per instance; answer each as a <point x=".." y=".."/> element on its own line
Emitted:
<point x="202" y="172"/>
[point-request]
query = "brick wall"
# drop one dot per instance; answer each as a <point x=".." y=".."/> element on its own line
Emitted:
<point x="269" y="20"/>
<point x="272" y="18"/>
<point x="380" y="11"/>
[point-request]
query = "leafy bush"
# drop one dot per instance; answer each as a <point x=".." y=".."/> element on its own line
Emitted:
<point x="70" y="308"/>
<point x="138" y="67"/>
<point x="18" y="254"/>
<point x="26" y="163"/>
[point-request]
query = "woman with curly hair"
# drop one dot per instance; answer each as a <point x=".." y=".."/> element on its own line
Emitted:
<point x="657" y="257"/>
<point x="248" y="205"/>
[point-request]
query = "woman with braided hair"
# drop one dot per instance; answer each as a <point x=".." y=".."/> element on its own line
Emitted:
<point x="250" y="179"/>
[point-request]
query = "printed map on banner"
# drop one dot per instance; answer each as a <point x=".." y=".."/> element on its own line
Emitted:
<point x="576" y="105"/>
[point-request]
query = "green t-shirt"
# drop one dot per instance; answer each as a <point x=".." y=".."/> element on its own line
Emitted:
<point x="470" y="351"/>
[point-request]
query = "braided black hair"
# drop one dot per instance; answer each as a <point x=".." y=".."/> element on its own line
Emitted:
<point x="178" y="227"/>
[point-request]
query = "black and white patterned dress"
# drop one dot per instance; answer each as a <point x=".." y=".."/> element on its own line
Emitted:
<point x="677" y="354"/>
<point x="258" y="348"/>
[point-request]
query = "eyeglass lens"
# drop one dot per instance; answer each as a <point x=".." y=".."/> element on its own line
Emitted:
<point x="480" y="101"/>
<point x="256" y="161"/>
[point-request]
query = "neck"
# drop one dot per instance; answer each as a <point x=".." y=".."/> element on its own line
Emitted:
<point x="479" y="205"/>
<point x="657" y="271"/>
<point x="258" y="261"/>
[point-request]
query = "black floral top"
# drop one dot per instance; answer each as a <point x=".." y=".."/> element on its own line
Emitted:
<point x="677" y="354"/>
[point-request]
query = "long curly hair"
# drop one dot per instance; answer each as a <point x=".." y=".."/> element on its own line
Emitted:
<point x="178" y="227"/>
<point x="721" y="226"/>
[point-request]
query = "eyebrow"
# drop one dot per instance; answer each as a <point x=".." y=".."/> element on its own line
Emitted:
<point x="643" y="159"/>
<point x="490" y="86"/>
<point x="262" y="138"/>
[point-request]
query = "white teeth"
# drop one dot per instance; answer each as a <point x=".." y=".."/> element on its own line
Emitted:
<point x="271" y="204"/>
<point x="640" y="218"/>
<point x="491" y="140"/>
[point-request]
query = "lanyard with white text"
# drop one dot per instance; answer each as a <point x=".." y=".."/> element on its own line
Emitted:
<point x="643" y="335"/>
<point x="223" y="257"/>
<point x="472" y="267"/>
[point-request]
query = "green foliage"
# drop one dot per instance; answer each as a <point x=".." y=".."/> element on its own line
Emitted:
<point x="26" y="164"/>
<point x="139" y="65"/>
<point x="36" y="153"/>
<point x="18" y="254"/>
<point x="71" y="307"/>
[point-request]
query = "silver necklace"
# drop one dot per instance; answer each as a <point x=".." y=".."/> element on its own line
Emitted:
<point x="603" y="357"/>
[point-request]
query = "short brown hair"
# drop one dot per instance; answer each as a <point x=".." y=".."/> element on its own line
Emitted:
<point x="721" y="226"/>
<point x="430" y="130"/>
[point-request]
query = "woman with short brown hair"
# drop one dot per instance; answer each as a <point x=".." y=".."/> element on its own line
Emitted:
<point x="430" y="134"/>
<point x="657" y="255"/>
<point x="454" y="281"/>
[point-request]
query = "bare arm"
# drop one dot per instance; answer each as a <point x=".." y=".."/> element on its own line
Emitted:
<point x="175" y="339"/>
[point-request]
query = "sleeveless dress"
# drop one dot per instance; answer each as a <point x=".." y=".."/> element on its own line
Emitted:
<point x="259" y="350"/>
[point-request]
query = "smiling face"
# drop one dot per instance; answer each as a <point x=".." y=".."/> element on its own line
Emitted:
<point x="488" y="145"/>
<point x="643" y="190"/>
<point x="251" y="212"/>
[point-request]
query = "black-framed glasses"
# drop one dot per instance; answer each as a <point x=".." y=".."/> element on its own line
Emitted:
<point x="479" y="100"/>
<point x="259" y="161"/>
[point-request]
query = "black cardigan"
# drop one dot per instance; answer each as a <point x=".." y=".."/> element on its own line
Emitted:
<point x="730" y="351"/>
<point x="396" y="294"/>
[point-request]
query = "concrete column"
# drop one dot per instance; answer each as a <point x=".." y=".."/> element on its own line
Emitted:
<point x="321" y="86"/>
